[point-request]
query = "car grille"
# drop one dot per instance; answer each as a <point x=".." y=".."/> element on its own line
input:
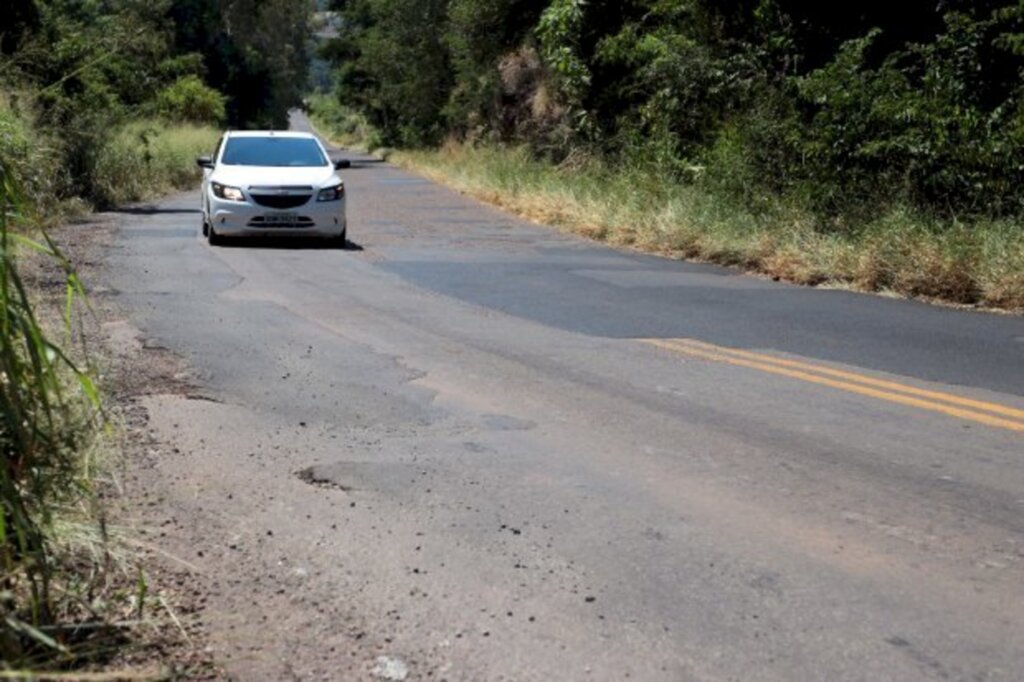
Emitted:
<point x="281" y="197"/>
<point x="278" y="201"/>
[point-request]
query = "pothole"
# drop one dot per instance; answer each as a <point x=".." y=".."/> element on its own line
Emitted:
<point x="203" y="398"/>
<point x="504" y="422"/>
<point x="312" y="477"/>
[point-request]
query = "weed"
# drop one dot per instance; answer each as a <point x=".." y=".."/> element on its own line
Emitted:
<point x="344" y="126"/>
<point x="50" y="411"/>
<point x="901" y="250"/>
<point x="147" y="158"/>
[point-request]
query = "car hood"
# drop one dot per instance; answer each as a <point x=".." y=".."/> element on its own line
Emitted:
<point x="257" y="176"/>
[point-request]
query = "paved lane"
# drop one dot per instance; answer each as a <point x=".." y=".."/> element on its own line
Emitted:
<point x="591" y="290"/>
<point x="493" y="451"/>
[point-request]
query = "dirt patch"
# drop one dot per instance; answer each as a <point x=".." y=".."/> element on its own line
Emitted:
<point x="169" y="641"/>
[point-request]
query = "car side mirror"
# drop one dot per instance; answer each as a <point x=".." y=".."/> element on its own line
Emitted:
<point x="342" y="163"/>
<point x="204" y="162"/>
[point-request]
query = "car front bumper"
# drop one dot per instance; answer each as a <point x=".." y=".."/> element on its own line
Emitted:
<point x="243" y="219"/>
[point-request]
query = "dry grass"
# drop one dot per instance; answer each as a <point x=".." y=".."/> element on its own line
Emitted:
<point x="898" y="252"/>
<point x="73" y="594"/>
<point x="148" y="158"/>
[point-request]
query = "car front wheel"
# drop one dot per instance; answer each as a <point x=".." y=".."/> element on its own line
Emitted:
<point x="212" y="237"/>
<point x="341" y="241"/>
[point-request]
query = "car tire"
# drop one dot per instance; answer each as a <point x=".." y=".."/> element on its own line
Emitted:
<point x="212" y="237"/>
<point x="206" y="228"/>
<point x="341" y="241"/>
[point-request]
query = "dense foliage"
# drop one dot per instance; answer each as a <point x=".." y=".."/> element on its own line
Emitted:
<point x="253" y="51"/>
<point x="75" y="72"/>
<point x="840" y="108"/>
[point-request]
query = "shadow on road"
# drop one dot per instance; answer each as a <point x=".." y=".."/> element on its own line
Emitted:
<point x="153" y="210"/>
<point x="362" y="163"/>
<point x="288" y="243"/>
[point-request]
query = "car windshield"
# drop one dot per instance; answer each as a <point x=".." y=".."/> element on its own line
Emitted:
<point x="273" y="151"/>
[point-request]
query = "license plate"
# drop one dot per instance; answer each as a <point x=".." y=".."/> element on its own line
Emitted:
<point x="281" y="218"/>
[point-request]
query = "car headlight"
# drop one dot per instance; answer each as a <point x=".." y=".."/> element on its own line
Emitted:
<point x="226" y="192"/>
<point x="331" y="193"/>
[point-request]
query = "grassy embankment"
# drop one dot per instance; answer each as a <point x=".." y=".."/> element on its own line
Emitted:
<point x="67" y="593"/>
<point x="138" y="161"/>
<point x="49" y="433"/>
<point x="145" y="159"/>
<point x="900" y="252"/>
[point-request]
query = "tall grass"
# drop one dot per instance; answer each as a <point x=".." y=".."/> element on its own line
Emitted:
<point x="150" y="157"/>
<point x="899" y="251"/>
<point x="48" y="408"/>
<point x="62" y="580"/>
<point x="32" y="155"/>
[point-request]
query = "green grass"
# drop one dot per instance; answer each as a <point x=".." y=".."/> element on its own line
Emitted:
<point x="48" y="429"/>
<point x="68" y="590"/>
<point x="899" y="251"/>
<point x="145" y="159"/>
<point x="64" y="580"/>
<point x="32" y="155"/>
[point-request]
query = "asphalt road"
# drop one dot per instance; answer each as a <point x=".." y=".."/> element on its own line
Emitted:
<point x="482" y="449"/>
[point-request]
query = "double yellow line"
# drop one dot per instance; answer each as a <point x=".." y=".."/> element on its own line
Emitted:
<point x="979" y="411"/>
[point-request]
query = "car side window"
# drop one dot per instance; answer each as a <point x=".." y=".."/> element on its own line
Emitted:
<point x="216" y="152"/>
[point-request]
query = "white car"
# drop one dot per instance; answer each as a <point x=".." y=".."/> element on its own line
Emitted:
<point x="273" y="184"/>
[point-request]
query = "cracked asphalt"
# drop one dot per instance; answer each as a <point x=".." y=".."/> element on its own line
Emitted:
<point x="473" y="448"/>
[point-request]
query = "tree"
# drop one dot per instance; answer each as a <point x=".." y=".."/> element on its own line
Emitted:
<point x="254" y="51"/>
<point x="395" y="65"/>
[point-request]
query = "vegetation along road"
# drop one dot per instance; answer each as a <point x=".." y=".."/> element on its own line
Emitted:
<point x="568" y="406"/>
<point x="469" y="447"/>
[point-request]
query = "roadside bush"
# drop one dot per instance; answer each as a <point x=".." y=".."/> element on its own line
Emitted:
<point x="900" y="250"/>
<point x="919" y="128"/>
<point x="342" y="125"/>
<point x="30" y="156"/>
<point x="479" y="36"/>
<point x="146" y="158"/>
<point x="683" y="89"/>
<point x="188" y="99"/>
<point x="397" y="71"/>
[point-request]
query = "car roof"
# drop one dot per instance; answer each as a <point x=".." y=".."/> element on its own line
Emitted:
<point x="269" y="133"/>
